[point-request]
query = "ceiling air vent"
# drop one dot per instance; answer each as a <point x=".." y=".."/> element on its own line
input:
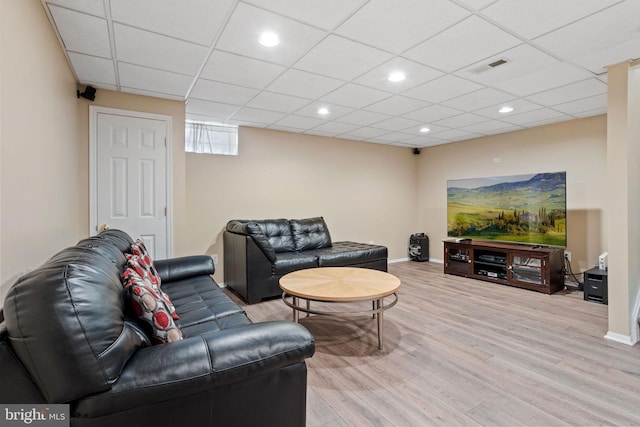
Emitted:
<point x="487" y="67"/>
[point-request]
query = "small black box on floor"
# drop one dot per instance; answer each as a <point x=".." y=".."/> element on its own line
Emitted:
<point x="419" y="247"/>
<point x="595" y="286"/>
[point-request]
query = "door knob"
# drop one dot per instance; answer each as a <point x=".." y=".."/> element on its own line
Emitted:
<point x="103" y="227"/>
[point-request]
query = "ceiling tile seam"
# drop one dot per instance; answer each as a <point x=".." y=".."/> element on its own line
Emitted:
<point x="211" y="48"/>
<point x="66" y="7"/>
<point x="112" y="42"/>
<point x="45" y="5"/>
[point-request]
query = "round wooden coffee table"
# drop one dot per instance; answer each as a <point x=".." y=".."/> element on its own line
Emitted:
<point x="340" y="284"/>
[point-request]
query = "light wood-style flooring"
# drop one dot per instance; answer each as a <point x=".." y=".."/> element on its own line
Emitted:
<point x="466" y="352"/>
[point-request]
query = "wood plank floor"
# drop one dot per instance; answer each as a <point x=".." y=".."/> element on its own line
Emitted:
<point x="465" y="352"/>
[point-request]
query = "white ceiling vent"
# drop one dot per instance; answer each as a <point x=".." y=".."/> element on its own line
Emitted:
<point x="487" y="67"/>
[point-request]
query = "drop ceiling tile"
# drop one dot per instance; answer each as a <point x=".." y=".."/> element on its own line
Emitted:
<point x="299" y="122"/>
<point x="93" y="69"/>
<point x="594" y="33"/>
<point x="558" y="75"/>
<point x="521" y="60"/>
<point x="456" y="135"/>
<point x="479" y="99"/>
<point x="477" y="4"/>
<point x="277" y="102"/>
<point x="207" y="108"/>
<point x="156" y="51"/>
<point x="443" y="88"/>
<point x="255" y="115"/>
<point x="92" y="7"/>
<point x="462" y="120"/>
<point x="157" y="81"/>
<point x="534" y="18"/>
<point x="82" y="33"/>
<point x="354" y="96"/>
<point x="303" y="84"/>
<point x="570" y="92"/>
<point x="591" y="113"/>
<point x="196" y="21"/>
<point x="335" y="111"/>
<point x="542" y="114"/>
<point x="334" y="128"/>
<point x="415" y="73"/>
<point x="598" y="61"/>
<point x="397" y="25"/>
<point x="151" y="93"/>
<point x="222" y="92"/>
<point x="597" y="102"/>
<point x="205" y="117"/>
<point x="491" y="127"/>
<point x="240" y="70"/>
<point x="519" y="106"/>
<point x="391" y="137"/>
<point x="286" y="129"/>
<point x="363" y="118"/>
<point x="325" y="14"/>
<point x="397" y="105"/>
<point x="397" y="124"/>
<point x="247" y="23"/>
<point x="341" y="58"/>
<point x="423" y="141"/>
<point x="433" y="113"/>
<point x="487" y="40"/>
<point x="365" y="132"/>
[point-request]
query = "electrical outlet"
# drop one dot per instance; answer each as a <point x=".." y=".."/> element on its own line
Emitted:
<point x="214" y="258"/>
<point x="567" y="255"/>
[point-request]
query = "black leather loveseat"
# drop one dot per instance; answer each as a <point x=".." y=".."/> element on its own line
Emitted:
<point x="69" y="336"/>
<point x="258" y="253"/>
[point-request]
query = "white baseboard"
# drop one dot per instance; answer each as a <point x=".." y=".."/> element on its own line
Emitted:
<point x="393" y="261"/>
<point x="623" y="339"/>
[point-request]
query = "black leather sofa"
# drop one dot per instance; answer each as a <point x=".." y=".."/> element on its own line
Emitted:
<point x="68" y="336"/>
<point x="257" y="253"/>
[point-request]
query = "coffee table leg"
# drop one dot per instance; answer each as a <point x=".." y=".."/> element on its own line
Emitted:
<point x="308" y="307"/>
<point x="380" y="330"/>
<point x="295" y="310"/>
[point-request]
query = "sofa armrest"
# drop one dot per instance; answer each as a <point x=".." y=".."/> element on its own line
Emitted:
<point x="173" y="269"/>
<point x="199" y="363"/>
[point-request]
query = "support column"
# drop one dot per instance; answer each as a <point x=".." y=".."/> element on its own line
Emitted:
<point x="623" y="201"/>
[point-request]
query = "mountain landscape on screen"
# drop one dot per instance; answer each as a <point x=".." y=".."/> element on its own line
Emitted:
<point x="517" y="208"/>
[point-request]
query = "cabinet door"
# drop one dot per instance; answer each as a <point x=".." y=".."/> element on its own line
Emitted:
<point x="528" y="269"/>
<point x="457" y="259"/>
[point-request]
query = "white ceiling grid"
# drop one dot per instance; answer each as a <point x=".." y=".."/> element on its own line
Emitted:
<point x="338" y="53"/>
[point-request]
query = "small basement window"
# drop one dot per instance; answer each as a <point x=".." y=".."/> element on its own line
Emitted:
<point x="211" y="138"/>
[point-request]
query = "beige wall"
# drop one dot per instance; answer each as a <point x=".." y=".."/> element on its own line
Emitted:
<point x="578" y="147"/>
<point x="366" y="192"/>
<point x="124" y="101"/>
<point x="39" y="141"/>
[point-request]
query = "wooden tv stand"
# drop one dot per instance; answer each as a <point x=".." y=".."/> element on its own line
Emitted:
<point x="538" y="268"/>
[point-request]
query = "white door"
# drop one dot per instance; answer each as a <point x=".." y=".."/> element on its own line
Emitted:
<point x="131" y="181"/>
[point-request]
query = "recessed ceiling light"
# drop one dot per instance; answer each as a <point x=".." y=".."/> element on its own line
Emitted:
<point x="323" y="111"/>
<point x="269" y="39"/>
<point x="396" y="76"/>
<point x="505" y="109"/>
<point x="425" y="130"/>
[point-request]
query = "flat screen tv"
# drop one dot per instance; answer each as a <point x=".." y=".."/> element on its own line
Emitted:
<point x="530" y="209"/>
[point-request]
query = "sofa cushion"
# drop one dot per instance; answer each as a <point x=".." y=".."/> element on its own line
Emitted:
<point x="292" y="261"/>
<point x="84" y="312"/>
<point x="261" y="240"/>
<point x="310" y="233"/>
<point x="139" y="249"/>
<point x="150" y="307"/>
<point x="278" y="233"/>
<point x="349" y="253"/>
<point x="137" y="272"/>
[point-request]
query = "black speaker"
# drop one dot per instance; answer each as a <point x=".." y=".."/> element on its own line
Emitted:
<point x="419" y="247"/>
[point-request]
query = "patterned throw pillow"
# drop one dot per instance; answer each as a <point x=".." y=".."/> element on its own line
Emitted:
<point x="150" y="307"/>
<point x="138" y="248"/>
<point x="138" y="268"/>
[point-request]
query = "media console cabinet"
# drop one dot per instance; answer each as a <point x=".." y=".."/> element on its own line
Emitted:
<point x="538" y="268"/>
